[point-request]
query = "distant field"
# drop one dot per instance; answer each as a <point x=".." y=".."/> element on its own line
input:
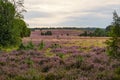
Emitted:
<point x="60" y="37"/>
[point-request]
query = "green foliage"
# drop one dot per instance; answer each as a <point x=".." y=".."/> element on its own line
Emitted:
<point x="30" y="45"/>
<point x="113" y="47"/>
<point x="41" y="45"/>
<point x="48" y="33"/>
<point x="22" y="47"/>
<point x="61" y="55"/>
<point x="29" y="62"/>
<point x="108" y="29"/>
<point x="8" y="35"/>
<point x="84" y="34"/>
<point x="98" y="32"/>
<point x="117" y="70"/>
<point x="11" y="26"/>
<point x="117" y="74"/>
<point x="22" y="27"/>
<point x="50" y="76"/>
<point x="79" y="58"/>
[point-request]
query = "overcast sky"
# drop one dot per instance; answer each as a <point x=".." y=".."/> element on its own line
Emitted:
<point x="82" y="13"/>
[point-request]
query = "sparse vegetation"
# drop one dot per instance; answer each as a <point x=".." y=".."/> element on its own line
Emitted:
<point x="41" y="45"/>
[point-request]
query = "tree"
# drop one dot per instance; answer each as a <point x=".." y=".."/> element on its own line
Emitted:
<point x="108" y="29"/>
<point x="99" y="32"/>
<point x="113" y="47"/>
<point x="10" y="25"/>
<point x="22" y="27"/>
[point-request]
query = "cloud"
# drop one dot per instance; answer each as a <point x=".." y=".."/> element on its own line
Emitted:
<point x="70" y="12"/>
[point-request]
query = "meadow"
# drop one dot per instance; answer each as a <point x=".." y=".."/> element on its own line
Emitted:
<point x="60" y="57"/>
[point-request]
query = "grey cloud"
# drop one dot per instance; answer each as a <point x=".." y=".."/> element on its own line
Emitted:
<point x="36" y="14"/>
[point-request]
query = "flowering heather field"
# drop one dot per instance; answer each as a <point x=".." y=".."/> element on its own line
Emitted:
<point x="63" y="58"/>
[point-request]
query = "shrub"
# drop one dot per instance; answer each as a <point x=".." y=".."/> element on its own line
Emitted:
<point x="61" y="55"/>
<point x="41" y="45"/>
<point x="22" y="47"/>
<point x="30" y="45"/>
<point x="29" y="62"/>
<point x="50" y="76"/>
<point x="46" y="33"/>
<point x="79" y="60"/>
<point x="32" y="74"/>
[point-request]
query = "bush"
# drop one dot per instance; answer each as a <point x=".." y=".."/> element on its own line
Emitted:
<point x="29" y="62"/>
<point x="41" y="45"/>
<point x="22" y="47"/>
<point x="79" y="60"/>
<point x="46" y="33"/>
<point x="50" y="76"/>
<point x="30" y="45"/>
<point x="32" y="74"/>
<point x="117" y="74"/>
<point x="61" y="55"/>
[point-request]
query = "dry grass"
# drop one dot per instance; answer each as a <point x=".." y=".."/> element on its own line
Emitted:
<point x="70" y="40"/>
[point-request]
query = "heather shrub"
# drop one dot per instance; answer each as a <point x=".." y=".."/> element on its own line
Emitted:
<point x="2" y="63"/>
<point x="58" y="74"/>
<point x="50" y="76"/>
<point x="29" y="62"/>
<point x="117" y="74"/>
<point x="79" y="59"/>
<point x="34" y="65"/>
<point x="31" y="74"/>
<point x="46" y="67"/>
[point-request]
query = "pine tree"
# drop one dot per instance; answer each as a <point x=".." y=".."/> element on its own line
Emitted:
<point x="113" y="47"/>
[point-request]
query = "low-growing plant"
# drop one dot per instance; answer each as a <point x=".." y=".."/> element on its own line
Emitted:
<point x="22" y="47"/>
<point x="61" y="55"/>
<point x="116" y="74"/>
<point x="31" y="74"/>
<point x="30" y="45"/>
<point x="29" y="61"/>
<point x="41" y="45"/>
<point x="79" y="60"/>
<point x="50" y="76"/>
<point x="55" y="46"/>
